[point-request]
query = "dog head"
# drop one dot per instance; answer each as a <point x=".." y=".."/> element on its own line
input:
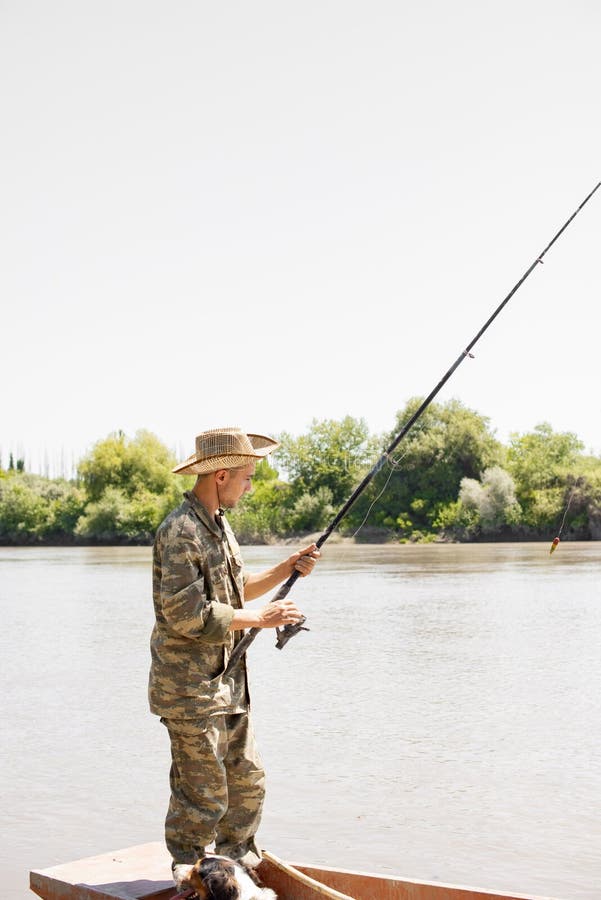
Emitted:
<point x="214" y="878"/>
<point x="220" y="878"/>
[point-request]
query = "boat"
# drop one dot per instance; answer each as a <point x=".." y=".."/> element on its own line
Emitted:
<point x="144" y="873"/>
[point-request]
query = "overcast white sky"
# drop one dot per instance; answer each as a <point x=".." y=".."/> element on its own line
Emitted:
<point x="258" y="213"/>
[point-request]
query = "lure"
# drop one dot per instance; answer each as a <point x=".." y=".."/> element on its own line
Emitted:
<point x="555" y="541"/>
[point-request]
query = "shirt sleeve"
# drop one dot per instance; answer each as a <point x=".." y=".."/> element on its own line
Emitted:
<point x="184" y="603"/>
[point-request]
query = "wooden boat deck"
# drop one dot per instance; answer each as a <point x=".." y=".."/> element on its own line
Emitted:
<point x="144" y="873"/>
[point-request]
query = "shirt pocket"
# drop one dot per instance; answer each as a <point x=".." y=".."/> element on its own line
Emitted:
<point x="237" y="564"/>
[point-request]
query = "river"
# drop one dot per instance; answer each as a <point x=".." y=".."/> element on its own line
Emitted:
<point x="441" y="720"/>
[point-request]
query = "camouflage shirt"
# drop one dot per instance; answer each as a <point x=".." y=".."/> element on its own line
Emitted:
<point x="198" y="582"/>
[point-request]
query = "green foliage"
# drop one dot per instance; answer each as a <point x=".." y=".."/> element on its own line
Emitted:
<point x="536" y="459"/>
<point x="143" y="463"/>
<point x="544" y="509"/>
<point x="312" y="511"/>
<point x="106" y="518"/>
<point x="23" y="511"/>
<point x="129" y="486"/>
<point x="66" y="503"/>
<point x="540" y="463"/>
<point x="586" y="505"/>
<point x="126" y="489"/>
<point x="117" y="517"/>
<point x="333" y="455"/>
<point x="455" y="519"/>
<point x="579" y="515"/>
<point x="450" y="478"/>
<point x="264" y="472"/>
<point x="261" y="515"/>
<point x="449" y="443"/>
<point x="488" y="505"/>
<point x="33" y="508"/>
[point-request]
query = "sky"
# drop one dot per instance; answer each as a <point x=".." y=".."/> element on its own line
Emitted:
<point x="262" y="213"/>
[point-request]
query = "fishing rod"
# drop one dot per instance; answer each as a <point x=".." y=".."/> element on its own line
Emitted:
<point x="288" y="631"/>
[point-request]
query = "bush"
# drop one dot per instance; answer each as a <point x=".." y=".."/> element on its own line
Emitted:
<point x="33" y="508"/>
<point x="450" y="442"/>
<point x="489" y="504"/>
<point x="131" y="466"/>
<point x="261" y="515"/>
<point x="311" y="511"/>
<point x="117" y="518"/>
<point x="130" y="488"/>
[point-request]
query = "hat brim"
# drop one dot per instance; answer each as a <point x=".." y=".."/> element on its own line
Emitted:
<point x="261" y="444"/>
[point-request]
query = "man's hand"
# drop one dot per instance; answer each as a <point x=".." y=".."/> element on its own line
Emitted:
<point x="304" y="560"/>
<point x="273" y="615"/>
<point x="282" y="612"/>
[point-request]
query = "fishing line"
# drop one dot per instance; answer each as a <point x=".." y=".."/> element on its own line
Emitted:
<point x="395" y="465"/>
<point x="565" y="512"/>
<point x="392" y="469"/>
<point x="557" y="539"/>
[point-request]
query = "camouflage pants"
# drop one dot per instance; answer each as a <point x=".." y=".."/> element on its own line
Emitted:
<point x="217" y="788"/>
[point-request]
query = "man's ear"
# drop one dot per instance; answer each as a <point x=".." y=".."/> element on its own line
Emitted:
<point x="221" y="476"/>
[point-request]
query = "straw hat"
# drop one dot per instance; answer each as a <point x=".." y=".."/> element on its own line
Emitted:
<point x="225" y="448"/>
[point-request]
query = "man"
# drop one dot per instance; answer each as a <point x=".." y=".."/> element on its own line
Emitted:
<point x="200" y="587"/>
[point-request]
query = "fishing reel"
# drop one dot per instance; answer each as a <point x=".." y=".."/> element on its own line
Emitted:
<point x="288" y="631"/>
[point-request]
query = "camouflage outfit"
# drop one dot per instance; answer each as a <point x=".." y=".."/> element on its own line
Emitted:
<point x="217" y="781"/>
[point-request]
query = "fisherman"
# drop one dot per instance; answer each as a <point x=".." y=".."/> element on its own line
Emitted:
<point x="200" y="587"/>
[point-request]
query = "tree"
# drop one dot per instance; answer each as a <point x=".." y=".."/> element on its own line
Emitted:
<point x="540" y="463"/>
<point x="492" y="499"/>
<point x="579" y="513"/>
<point x="33" y="508"/>
<point x="129" y="486"/>
<point x="24" y="515"/>
<point x="118" y="518"/>
<point x="448" y="443"/>
<point x="333" y="455"/>
<point x="143" y="463"/>
<point x="537" y="458"/>
<point x="584" y="511"/>
<point x="311" y="511"/>
<point x="261" y="515"/>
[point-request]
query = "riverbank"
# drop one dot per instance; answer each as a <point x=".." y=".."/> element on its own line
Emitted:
<point x="371" y="537"/>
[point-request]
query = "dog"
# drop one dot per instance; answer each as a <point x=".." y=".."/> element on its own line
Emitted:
<point x="221" y="878"/>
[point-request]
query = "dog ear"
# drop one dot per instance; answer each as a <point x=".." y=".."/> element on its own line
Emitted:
<point x="196" y="882"/>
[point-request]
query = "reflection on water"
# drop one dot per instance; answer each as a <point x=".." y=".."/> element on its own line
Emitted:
<point x="441" y="719"/>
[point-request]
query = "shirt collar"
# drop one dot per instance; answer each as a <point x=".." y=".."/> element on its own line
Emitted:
<point x="202" y="512"/>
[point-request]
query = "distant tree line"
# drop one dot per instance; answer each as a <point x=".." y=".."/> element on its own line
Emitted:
<point x="450" y="479"/>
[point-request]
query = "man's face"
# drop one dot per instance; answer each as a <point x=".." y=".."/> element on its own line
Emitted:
<point x="235" y="484"/>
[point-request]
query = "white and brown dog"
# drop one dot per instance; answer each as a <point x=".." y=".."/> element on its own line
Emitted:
<point x="220" y="878"/>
